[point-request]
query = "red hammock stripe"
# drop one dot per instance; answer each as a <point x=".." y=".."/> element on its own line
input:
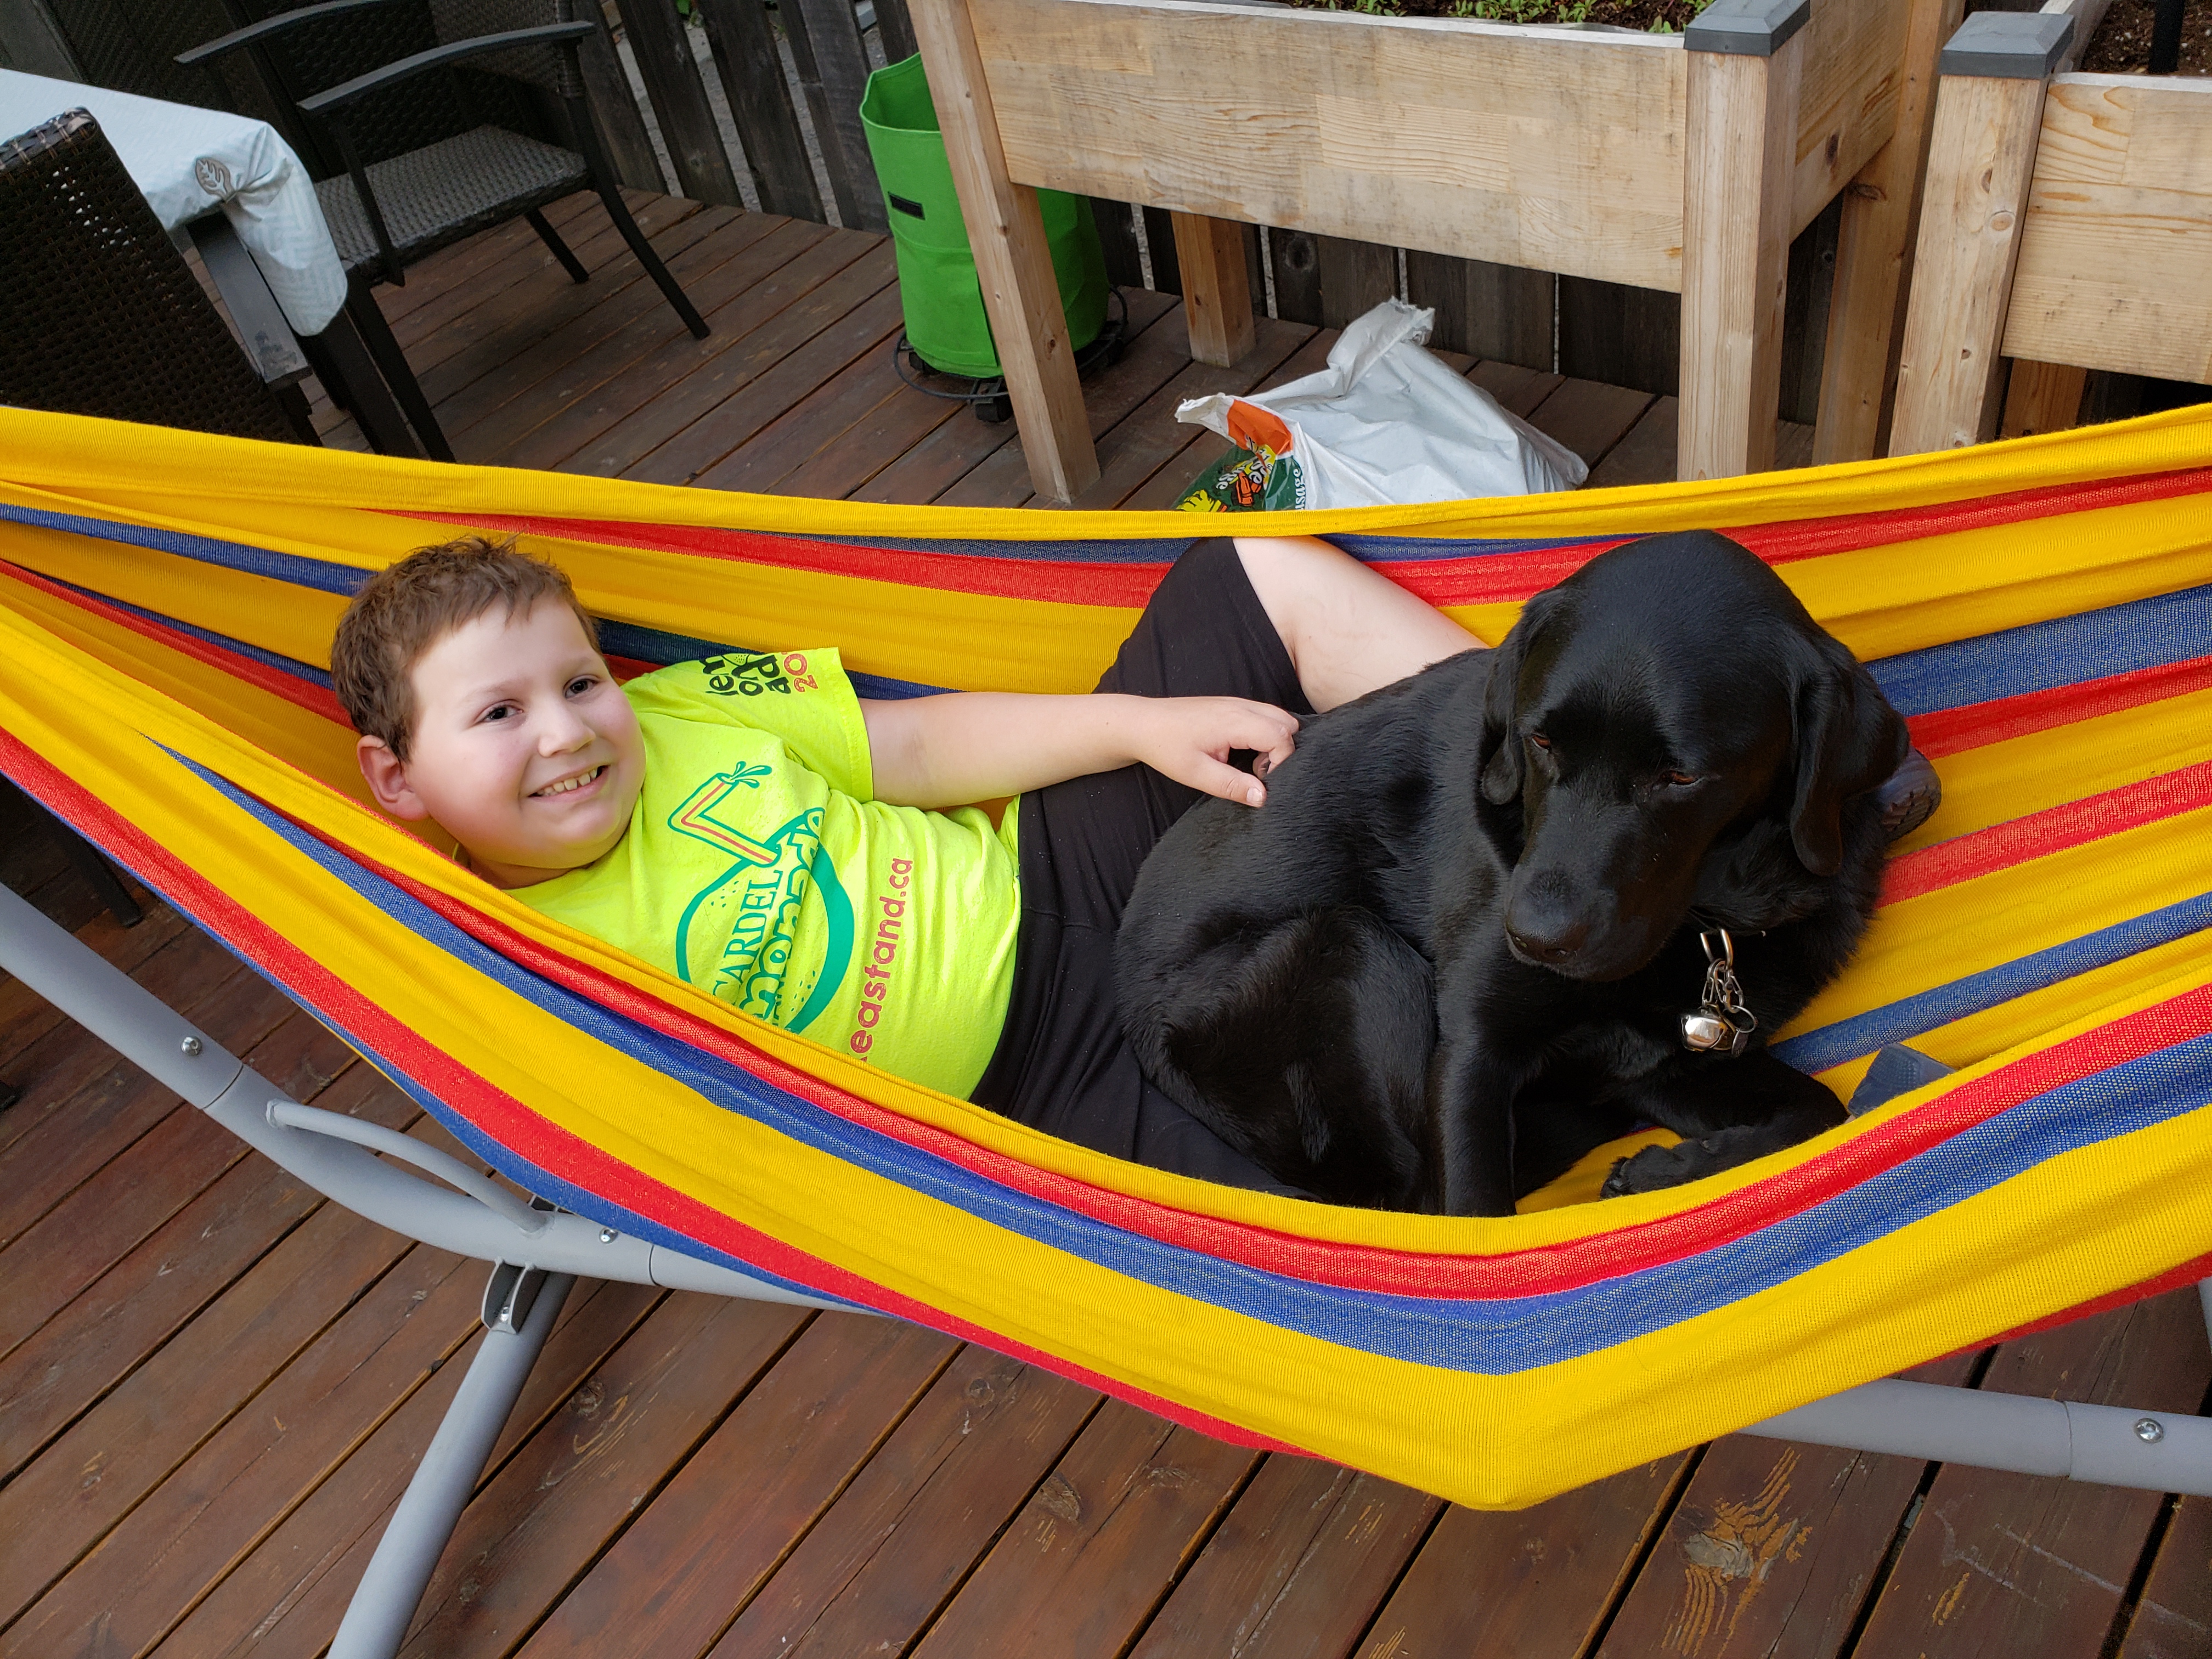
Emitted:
<point x="1055" y="581"/>
<point x="1477" y="579"/>
<point x="2051" y="830"/>
<point x="1789" y="540"/>
<point x="306" y="694"/>
<point x="1978" y="725"/>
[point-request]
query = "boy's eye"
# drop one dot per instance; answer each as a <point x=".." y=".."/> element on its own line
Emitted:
<point x="581" y="684"/>
<point x="501" y="712"/>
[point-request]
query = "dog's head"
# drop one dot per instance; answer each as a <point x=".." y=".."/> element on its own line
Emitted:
<point x="1651" y="711"/>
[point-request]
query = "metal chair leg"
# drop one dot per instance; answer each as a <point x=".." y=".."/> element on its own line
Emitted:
<point x="349" y="375"/>
<point x="376" y="333"/>
<point x="551" y="238"/>
<point x="101" y="874"/>
<point x="585" y="131"/>
<point x="294" y="403"/>
<point x="93" y="865"/>
<point x="618" y="210"/>
<point x="520" y="1307"/>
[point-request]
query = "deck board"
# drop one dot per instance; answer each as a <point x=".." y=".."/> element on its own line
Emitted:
<point x="1539" y="1583"/>
<point x="1773" y="1548"/>
<point x="1081" y="1567"/>
<point x="2014" y="1563"/>
<point x="893" y="1549"/>
<point x="620" y="324"/>
<point x="213" y="1384"/>
<point x="728" y="1518"/>
<point x="1298" y="1569"/>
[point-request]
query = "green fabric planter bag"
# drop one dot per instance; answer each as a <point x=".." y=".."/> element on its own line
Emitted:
<point x="938" y="286"/>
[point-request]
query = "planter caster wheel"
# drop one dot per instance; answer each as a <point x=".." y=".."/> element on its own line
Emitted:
<point x="995" y="412"/>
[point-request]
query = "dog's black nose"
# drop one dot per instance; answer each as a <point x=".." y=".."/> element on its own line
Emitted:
<point x="1555" y="947"/>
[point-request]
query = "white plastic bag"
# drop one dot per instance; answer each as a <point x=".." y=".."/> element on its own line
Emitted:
<point x="1384" y="424"/>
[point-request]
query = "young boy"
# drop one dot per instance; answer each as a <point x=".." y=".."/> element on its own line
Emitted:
<point x="749" y="825"/>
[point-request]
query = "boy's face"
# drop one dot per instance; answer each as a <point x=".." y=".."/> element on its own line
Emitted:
<point x="525" y="749"/>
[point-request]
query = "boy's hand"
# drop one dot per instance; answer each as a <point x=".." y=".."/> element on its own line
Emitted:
<point x="965" y="746"/>
<point x="1189" y="739"/>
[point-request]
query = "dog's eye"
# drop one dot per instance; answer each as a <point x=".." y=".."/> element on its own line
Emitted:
<point x="1540" y="740"/>
<point x="1678" y="779"/>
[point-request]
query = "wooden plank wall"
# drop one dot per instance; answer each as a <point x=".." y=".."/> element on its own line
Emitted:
<point x="828" y="50"/>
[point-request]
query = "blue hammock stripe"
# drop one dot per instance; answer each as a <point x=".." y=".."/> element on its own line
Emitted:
<point x="2090" y="645"/>
<point x="1831" y="1045"/>
<point x="1389" y="550"/>
<point x="1431" y="549"/>
<point x="319" y="574"/>
<point x="2087" y="646"/>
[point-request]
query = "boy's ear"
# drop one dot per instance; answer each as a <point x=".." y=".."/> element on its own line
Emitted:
<point x="386" y="775"/>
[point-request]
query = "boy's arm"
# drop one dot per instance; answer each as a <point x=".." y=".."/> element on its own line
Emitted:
<point x="963" y="747"/>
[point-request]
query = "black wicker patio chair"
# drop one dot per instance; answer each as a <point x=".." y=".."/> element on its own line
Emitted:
<point x="468" y="168"/>
<point x="98" y="312"/>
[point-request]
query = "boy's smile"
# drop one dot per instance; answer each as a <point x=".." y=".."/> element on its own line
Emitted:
<point x="524" y="749"/>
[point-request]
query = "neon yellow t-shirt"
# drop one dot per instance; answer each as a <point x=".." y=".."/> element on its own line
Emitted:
<point x="760" y="867"/>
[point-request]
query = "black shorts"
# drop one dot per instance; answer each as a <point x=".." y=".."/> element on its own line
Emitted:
<point x="1061" y="1064"/>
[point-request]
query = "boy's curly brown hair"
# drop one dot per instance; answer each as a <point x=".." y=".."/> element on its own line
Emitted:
<point x="407" y="607"/>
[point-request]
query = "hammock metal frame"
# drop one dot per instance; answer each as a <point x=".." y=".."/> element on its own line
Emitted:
<point x="537" y="1252"/>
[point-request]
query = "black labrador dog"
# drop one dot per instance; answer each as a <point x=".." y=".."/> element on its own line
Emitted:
<point x="1455" y="949"/>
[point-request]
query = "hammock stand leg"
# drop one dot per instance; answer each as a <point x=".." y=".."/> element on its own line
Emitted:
<point x="520" y="1307"/>
<point x="470" y="1215"/>
<point x="2155" y="1451"/>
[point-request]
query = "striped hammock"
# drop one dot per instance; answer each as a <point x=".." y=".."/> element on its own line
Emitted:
<point x="2041" y="611"/>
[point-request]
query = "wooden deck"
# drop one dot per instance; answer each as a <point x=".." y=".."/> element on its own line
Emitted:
<point x="213" y="1385"/>
<point x="795" y="393"/>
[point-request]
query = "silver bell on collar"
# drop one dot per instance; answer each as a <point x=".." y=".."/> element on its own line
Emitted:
<point x="1722" y="1024"/>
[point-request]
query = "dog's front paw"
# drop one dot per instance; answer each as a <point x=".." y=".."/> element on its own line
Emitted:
<point x="1649" y="1170"/>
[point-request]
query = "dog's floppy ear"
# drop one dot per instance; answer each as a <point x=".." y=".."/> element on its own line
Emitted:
<point x="1848" y="740"/>
<point x="1501" y="745"/>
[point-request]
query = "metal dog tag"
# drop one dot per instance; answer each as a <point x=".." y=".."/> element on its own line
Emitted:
<point x="1722" y="1024"/>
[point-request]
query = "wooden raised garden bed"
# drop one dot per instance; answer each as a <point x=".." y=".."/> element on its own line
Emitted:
<point x="2069" y="228"/>
<point x="1678" y="162"/>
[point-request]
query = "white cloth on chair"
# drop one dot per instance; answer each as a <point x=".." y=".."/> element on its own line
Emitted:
<point x="189" y="161"/>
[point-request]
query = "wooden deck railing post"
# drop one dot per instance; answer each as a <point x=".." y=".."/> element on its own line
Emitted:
<point x="1741" y="147"/>
<point x="1217" y="294"/>
<point x="629" y="145"/>
<point x="743" y="41"/>
<point x="1006" y="233"/>
<point x="835" y="70"/>
<point x="1874" y="254"/>
<point x="662" y="46"/>
<point x="1981" y="159"/>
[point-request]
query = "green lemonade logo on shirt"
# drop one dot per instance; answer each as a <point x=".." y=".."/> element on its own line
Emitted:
<point x="754" y="904"/>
